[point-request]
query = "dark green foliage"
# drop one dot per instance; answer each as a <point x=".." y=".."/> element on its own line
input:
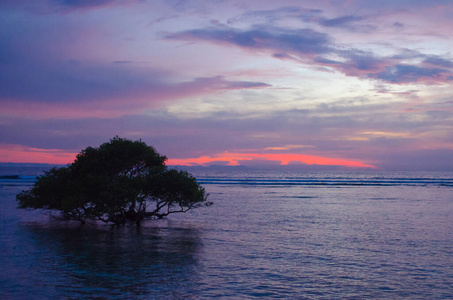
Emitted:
<point x="121" y="180"/>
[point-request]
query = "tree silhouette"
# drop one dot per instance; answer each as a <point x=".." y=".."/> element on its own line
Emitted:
<point x="119" y="181"/>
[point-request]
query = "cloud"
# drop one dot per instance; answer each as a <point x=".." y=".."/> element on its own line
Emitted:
<point x="392" y="69"/>
<point x="319" y="49"/>
<point x="401" y="74"/>
<point x="76" y="73"/>
<point x="323" y="129"/>
<point x="84" y="3"/>
<point x="398" y="25"/>
<point x="63" y="6"/>
<point x="438" y="61"/>
<point x="237" y="159"/>
<point x="67" y="6"/>
<point x="351" y="23"/>
<point x="398" y="5"/>
<point x="69" y="81"/>
<point x="40" y="77"/>
<point x="103" y="91"/>
<point x="359" y="63"/>
<point x="307" y="15"/>
<point x="338" y="130"/>
<point x="418" y="160"/>
<point x="218" y="83"/>
<point x="343" y="21"/>
<point x="20" y="154"/>
<point x="300" y="41"/>
<point x="273" y="15"/>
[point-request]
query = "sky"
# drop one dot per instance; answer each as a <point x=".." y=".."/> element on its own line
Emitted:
<point x="353" y="83"/>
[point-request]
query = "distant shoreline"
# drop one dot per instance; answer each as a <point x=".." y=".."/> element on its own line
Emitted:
<point x="251" y="168"/>
<point x="11" y="164"/>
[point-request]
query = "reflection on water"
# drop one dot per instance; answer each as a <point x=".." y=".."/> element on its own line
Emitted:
<point x="257" y="241"/>
<point x="123" y="261"/>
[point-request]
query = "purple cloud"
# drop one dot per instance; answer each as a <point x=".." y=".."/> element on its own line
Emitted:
<point x="438" y="61"/>
<point x="362" y="61"/>
<point x="302" y="41"/>
<point x="398" y="5"/>
<point x="325" y="128"/>
<point x="74" y="83"/>
<point x="343" y="21"/>
<point x="83" y="3"/>
<point x="349" y="22"/>
<point x="401" y="74"/>
<point x="298" y="13"/>
<point x="398" y="25"/>
<point x="417" y="160"/>
<point x="274" y="15"/>
<point x="62" y="6"/>
<point x="76" y="73"/>
<point x="312" y="46"/>
<point x="219" y="132"/>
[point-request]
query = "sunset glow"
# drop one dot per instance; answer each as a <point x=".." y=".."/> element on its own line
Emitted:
<point x="234" y="159"/>
<point x="342" y="83"/>
<point x="20" y="154"/>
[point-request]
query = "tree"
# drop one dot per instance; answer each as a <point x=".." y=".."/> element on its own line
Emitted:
<point x="119" y="181"/>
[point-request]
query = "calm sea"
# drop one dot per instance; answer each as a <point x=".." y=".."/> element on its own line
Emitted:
<point x="269" y="234"/>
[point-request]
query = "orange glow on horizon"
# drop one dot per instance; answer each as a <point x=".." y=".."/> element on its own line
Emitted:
<point x="22" y="154"/>
<point x="233" y="159"/>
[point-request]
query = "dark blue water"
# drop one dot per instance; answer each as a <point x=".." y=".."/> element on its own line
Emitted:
<point x="269" y="234"/>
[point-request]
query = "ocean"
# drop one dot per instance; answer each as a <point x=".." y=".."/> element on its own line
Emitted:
<point x="270" y="234"/>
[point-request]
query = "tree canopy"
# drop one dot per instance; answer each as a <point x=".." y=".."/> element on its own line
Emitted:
<point x="119" y="181"/>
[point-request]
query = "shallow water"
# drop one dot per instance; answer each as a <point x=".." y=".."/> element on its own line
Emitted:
<point x="268" y="235"/>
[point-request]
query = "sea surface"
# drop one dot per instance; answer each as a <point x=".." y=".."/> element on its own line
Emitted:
<point x="270" y="234"/>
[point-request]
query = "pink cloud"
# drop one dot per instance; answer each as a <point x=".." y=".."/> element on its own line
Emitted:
<point x="19" y="153"/>
<point x="234" y="159"/>
<point x="129" y="102"/>
<point x="23" y="154"/>
<point x="311" y="47"/>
